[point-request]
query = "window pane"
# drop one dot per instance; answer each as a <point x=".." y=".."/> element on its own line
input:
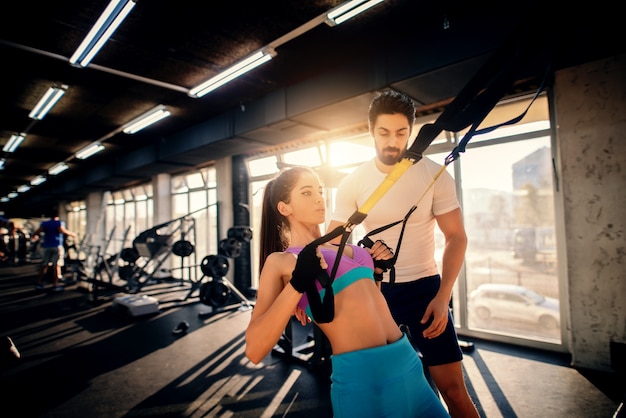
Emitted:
<point x="198" y="200"/>
<point x="352" y="153"/>
<point x="257" y="189"/>
<point x="510" y="264"/>
<point x="309" y="157"/>
<point x="263" y="166"/>
<point x="142" y="217"/>
<point x="180" y="205"/>
<point x="195" y="181"/>
<point x="179" y="185"/>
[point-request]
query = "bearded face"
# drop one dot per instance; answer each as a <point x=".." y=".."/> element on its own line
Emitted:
<point x="391" y="136"/>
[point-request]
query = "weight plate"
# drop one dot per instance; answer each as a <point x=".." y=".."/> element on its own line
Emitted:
<point x="182" y="248"/>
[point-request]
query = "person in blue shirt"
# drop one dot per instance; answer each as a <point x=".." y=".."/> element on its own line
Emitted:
<point x="52" y="250"/>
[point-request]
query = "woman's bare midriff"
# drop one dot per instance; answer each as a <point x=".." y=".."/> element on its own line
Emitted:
<point x="362" y="319"/>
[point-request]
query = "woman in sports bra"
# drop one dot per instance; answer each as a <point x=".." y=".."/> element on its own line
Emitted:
<point x="375" y="370"/>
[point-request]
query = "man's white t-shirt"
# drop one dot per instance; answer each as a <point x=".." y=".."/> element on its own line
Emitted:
<point x="416" y="258"/>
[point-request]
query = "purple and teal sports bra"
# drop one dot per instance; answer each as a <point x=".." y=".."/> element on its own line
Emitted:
<point x="349" y="271"/>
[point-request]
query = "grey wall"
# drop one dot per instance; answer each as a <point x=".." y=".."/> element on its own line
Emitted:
<point x="590" y="105"/>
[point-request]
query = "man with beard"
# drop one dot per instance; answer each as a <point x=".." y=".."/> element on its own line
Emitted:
<point x="420" y="296"/>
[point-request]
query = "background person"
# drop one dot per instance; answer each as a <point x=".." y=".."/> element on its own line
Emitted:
<point x="16" y="241"/>
<point x="420" y="297"/>
<point x="52" y="250"/>
<point x="375" y="370"/>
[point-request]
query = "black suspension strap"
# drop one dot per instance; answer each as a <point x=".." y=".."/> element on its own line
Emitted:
<point x="390" y="263"/>
<point x="460" y="148"/>
<point x="323" y="309"/>
<point x="469" y="107"/>
<point x="454" y="155"/>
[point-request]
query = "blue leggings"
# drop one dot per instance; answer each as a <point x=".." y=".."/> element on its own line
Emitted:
<point x="386" y="381"/>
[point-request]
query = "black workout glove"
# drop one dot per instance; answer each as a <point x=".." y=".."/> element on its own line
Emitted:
<point x="308" y="269"/>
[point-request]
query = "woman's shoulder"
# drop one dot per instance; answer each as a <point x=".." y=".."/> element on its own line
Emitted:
<point x="280" y="262"/>
<point x="280" y="256"/>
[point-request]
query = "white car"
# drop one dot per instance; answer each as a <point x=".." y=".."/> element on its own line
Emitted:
<point x="512" y="302"/>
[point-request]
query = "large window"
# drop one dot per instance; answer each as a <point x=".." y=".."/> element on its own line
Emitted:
<point x="77" y="218"/>
<point x="194" y="206"/>
<point x="511" y="263"/>
<point x="128" y="213"/>
<point x="508" y="288"/>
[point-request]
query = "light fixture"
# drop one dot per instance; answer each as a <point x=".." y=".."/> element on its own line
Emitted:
<point x="47" y="102"/>
<point x="250" y="62"/>
<point x="4" y="199"/>
<point x="113" y="15"/>
<point x="12" y="195"/>
<point x="348" y="10"/>
<point x="3" y="161"/>
<point x="147" y="119"/>
<point x="14" y="142"/>
<point x="23" y="188"/>
<point x="58" y="168"/>
<point x="37" y="180"/>
<point x="89" y="150"/>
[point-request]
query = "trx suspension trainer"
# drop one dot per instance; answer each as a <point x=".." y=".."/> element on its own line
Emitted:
<point x="469" y="107"/>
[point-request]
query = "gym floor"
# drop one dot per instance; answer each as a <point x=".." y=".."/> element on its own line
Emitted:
<point x="83" y="355"/>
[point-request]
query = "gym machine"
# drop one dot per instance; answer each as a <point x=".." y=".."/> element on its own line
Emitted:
<point x="99" y="269"/>
<point x="133" y="267"/>
<point x="152" y="247"/>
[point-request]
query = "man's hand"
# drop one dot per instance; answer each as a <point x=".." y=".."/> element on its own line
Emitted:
<point x="381" y="251"/>
<point x="438" y="310"/>
<point x="382" y="255"/>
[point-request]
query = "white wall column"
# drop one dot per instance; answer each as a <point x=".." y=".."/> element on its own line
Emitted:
<point x="590" y="104"/>
<point x="162" y="195"/>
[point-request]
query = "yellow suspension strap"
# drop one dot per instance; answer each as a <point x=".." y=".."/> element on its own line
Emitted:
<point x="388" y="265"/>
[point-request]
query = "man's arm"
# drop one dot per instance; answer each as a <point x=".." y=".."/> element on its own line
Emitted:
<point x="451" y="225"/>
<point x="66" y="231"/>
<point x="37" y="232"/>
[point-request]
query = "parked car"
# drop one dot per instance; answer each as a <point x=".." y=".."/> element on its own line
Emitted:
<point x="512" y="302"/>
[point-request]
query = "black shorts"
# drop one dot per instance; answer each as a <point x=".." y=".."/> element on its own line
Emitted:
<point x="408" y="302"/>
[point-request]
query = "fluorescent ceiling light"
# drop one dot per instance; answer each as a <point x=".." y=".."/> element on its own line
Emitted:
<point x="37" y="180"/>
<point x="47" y="102"/>
<point x="240" y="68"/>
<point x="348" y="10"/>
<point x="89" y="150"/>
<point x="147" y="119"/>
<point x="4" y="199"/>
<point x="58" y="168"/>
<point x="12" y="195"/>
<point x="23" y="188"/>
<point x="3" y="161"/>
<point x="14" y="142"/>
<point x="113" y="15"/>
